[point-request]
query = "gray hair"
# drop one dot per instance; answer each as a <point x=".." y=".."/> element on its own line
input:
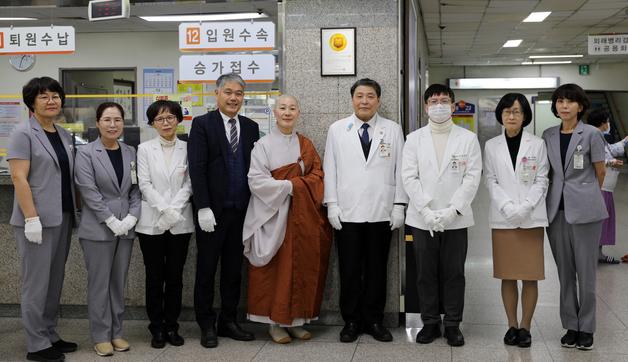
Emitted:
<point x="230" y="77"/>
<point x="283" y="96"/>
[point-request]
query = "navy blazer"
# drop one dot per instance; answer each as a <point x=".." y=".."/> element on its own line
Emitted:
<point x="207" y="158"/>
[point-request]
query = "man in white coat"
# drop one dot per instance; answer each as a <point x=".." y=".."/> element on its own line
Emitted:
<point x="365" y="202"/>
<point x="441" y="170"/>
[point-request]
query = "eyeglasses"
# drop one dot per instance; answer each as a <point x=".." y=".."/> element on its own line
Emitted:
<point x="45" y="98"/>
<point x="433" y="102"/>
<point x="111" y="120"/>
<point x="169" y="119"/>
<point x="516" y="113"/>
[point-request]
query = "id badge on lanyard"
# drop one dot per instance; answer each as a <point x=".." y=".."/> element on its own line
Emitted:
<point x="133" y="173"/>
<point x="578" y="159"/>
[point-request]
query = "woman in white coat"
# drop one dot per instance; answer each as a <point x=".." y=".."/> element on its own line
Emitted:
<point x="166" y="224"/>
<point x="516" y="169"/>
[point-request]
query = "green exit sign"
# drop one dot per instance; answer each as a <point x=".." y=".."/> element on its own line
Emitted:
<point x="583" y="69"/>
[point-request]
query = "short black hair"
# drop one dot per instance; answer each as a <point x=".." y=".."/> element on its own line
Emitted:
<point x="574" y="93"/>
<point x="508" y="101"/>
<point x="37" y="86"/>
<point x="369" y="83"/>
<point x="101" y="109"/>
<point x="436" y="89"/>
<point x="597" y="117"/>
<point x="163" y="105"/>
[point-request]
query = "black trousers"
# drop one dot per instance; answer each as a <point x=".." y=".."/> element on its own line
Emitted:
<point x="363" y="261"/>
<point x="164" y="259"/>
<point x="440" y="274"/>
<point x="225" y="243"/>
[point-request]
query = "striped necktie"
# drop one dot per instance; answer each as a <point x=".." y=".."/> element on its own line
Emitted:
<point x="233" y="136"/>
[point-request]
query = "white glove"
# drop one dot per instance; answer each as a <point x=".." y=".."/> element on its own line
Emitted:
<point x="115" y="226"/>
<point x="334" y="214"/>
<point x="432" y="220"/>
<point x="206" y="220"/>
<point x="291" y="187"/>
<point x="511" y="213"/>
<point x="397" y="217"/>
<point x="524" y="210"/>
<point x="447" y="216"/>
<point x="169" y="218"/>
<point x="128" y="223"/>
<point x="32" y="229"/>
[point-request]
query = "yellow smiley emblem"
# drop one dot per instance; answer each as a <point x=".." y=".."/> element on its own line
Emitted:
<point x="338" y="42"/>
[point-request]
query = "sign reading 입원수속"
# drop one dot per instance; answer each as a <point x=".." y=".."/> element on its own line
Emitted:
<point x="255" y="68"/>
<point x="37" y="40"/>
<point x="218" y="36"/>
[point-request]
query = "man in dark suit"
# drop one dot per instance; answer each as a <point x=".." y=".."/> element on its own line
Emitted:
<point x="219" y="153"/>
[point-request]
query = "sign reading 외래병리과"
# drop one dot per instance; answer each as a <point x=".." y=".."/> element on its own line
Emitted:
<point x="37" y="40"/>
<point x="608" y="44"/>
<point x="255" y="68"/>
<point x="232" y="36"/>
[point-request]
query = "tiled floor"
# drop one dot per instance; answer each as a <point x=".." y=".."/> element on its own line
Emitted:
<point x="484" y="322"/>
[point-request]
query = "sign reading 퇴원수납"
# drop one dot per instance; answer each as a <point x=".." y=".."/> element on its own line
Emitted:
<point x="37" y="40"/>
<point x="608" y="44"/>
<point x="201" y="37"/>
<point x="255" y="68"/>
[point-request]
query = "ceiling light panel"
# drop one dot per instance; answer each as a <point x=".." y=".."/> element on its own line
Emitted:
<point x="537" y="17"/>
<point x="512" y="43"/>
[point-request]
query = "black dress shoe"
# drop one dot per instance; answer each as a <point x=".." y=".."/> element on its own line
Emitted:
<point x="174" y="338"/>
<point x="454" y="336"/>
<point x="525" y="338"/>
<point x="584" y="341"/>
<point x="350" y="332"/>
<point x="65" y="347"/>
<point x="428" y="333"/>
<point x="209" y="338"/>
<point x="159" y="340"/>
<point x="511" y="336"/>
<point x="49" y="354"/>
<point x="234" y="331"/>
<point x="379" y="332"/>
<point x="569" y="339"/>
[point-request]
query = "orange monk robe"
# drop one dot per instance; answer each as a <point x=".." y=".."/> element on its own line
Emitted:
<point x="290" y="287"/>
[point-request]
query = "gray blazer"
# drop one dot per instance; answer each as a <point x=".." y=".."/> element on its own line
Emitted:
<point x="102" y="197"/>
<point x="580" y="188"/>
<point x="29" y="142"/>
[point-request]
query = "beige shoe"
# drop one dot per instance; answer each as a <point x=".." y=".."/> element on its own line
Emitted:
<point x="103" y="349"/>
<point x="120" y="345"/>
<point x="299" y="333"/>
<point x="279" y="334"/>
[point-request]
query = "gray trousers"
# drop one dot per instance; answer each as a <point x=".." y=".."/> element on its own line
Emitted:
<point x="107" y="266"/>
<point x="575" y="250"/>
<point x="43" y="270"/>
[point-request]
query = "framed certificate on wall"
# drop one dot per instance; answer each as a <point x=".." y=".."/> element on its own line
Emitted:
<point x="338" y="51"/>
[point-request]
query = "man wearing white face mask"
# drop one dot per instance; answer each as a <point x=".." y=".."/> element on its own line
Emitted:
<point x="441" y="170"/>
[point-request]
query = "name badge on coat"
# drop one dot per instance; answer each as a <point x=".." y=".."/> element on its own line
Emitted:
<point x="528" y="170"/>
<point x="458" y="163"/>
<point x="133" y="173"/>
<point x="384" y="149"/>
<point x="578" y="159"/>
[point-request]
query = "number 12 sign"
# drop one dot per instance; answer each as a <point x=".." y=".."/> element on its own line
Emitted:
<point x="220" y="37"/>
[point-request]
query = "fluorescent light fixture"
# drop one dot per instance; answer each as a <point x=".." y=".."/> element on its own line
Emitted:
<point x="548" y="62"/>
<point x="205" y="17"/>
<point x="537" y="17"/>
<point x="555" y="56"/>
<point x="16" y="19"/>
<point x="504" y="83"/>
<point x="512" y="43"/>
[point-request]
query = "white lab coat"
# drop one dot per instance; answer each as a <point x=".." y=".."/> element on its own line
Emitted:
<point x="528" y="181"/>
<point x="365" y="190"/>
<point x="454" y="184"/>
<point x="163" y="187"/>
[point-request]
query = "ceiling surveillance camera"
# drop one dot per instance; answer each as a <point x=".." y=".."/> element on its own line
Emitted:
<point x="260" y="11"/>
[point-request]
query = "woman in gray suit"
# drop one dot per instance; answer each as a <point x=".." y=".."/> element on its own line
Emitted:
<point x="107" y="180"/>
<point x="41" y="161"/>
<point x="575" y="210"/>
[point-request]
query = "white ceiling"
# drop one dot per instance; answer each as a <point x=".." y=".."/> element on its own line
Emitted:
<point x="74" y="12"/>
<point x="472" y="32"/>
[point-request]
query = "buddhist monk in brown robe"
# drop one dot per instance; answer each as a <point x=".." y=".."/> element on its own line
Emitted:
<point x="287" y="237"/>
